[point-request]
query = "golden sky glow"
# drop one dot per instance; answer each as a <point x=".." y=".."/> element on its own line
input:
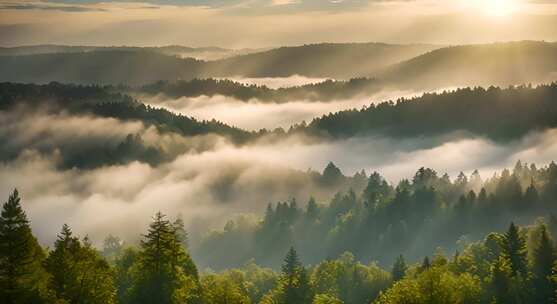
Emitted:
<point x="262" y="23"/>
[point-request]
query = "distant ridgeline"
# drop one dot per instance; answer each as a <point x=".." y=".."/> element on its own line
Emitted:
<point x="497" y="114"/>
<point x="404" y="66"/>
<point x="140" y="66"/>
<point x="319" y="254"/>
<point x="323" y="91"/>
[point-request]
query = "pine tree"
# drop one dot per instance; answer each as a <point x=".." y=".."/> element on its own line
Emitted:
<point x="500" y="281"/>
<point x="514" y="248"/>
<point x="78" y="274"/>
<point x="312" y="210"/>
<point x="426" y="264"/>
<point x="543" y="260"/>
<point x="166" y="272"/>
<point x="295" y="287"/>
<point x="20" y="256"/>
<point x="59" y="263"/>
<point x="399" y="268"/>
<point x="181" y="232"/>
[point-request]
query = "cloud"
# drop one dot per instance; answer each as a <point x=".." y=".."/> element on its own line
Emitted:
<point x="47" y="6"/>
<point x="216" y="180"/>
<point x="256" y="114"/>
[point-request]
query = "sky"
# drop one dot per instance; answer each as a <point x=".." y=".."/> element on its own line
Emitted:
<point x="268" y="23"/>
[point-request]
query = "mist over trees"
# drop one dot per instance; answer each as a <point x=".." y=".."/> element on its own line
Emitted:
<point x="86" y="135"/>
<point x="515" y="264"/>
<point x="383" y="220"/>
<point x="323" y="91"/>
<point x="498" y="114"/>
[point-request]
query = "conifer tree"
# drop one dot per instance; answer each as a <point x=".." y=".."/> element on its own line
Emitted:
<point x="514" y="248"/>
<point x="399" y="268"/>
<point x="77" y="272"/>
<point x="295" y="287"/>
<point x="166" y="272"/>
<point x="21" y="273"/>
<point x="543" y="260"/>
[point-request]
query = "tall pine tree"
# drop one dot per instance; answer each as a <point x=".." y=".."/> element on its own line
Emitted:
<point x="542" y="264"/>
<point x="514" y="248"/>
<point x="399" y="268"/>
<point x="166" y="273"/>
<point x="294" y="285"/>
<point x="21" y="274"/>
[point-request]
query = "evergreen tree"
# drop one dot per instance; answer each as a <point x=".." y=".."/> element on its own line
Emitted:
<point x="21" y="273"/>
<point x="312" y="210"/>
<point x="77" y="272"/>
<point x="399" y="268"/>
<point x="542" y="264"/>
<point x="166" y="273"/>
<point x="295" y="286"/>
<point x="500" y="281"/>
<point x="426" y="264"/>
<point x="181" y="233"/>
<point x="514" y="248"/>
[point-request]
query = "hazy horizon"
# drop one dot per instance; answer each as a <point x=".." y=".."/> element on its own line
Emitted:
<point x="265" y="23"/>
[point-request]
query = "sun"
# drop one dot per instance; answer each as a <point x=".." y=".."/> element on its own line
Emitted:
<point x="499" y="8"/>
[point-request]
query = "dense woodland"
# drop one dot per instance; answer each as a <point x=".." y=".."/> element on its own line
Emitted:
<point x="514" y="265"/>
<point x="324" y="91"/>
<point x="499" y="114"/>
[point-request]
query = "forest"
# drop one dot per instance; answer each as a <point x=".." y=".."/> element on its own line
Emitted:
<point x="374" y="249"/>
<point x="327" y="90"/>
<point x="278" y="152"/>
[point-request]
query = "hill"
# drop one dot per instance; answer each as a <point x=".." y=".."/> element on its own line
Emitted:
<point x="98" y="67"/>
<point x="171" y="50"/>
<point x="499" y="114"/>
<point x="333" y="60"/>
<point x="142" y="66"/>
<point x="499" y="64"/>
<point x="323" y="91"/>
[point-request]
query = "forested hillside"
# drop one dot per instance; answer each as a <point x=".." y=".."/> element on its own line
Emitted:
<point x="43" y="100"/>
<point x="173" y="50"/>
<point x="141" y="66"/>
<point x="323" y="91"/>
<point x="498" y="64"/>
<point x="334" y="60"/>
<point x="515" y="264"/>
<point x="499" y="114"/>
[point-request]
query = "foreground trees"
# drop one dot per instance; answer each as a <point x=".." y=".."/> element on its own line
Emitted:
<point x="517" y="265"/>
<point x="77" y="273"/>
<point x="21" y="275"/>
<point x="164" y="270"/>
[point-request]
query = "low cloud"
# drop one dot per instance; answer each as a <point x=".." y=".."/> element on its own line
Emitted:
<point x="256" y="114"/>
<point x="211" y="185"/>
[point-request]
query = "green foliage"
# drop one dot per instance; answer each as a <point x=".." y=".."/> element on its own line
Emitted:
<point x="327" y="90"/>
<point x="542" y="263"/>
<point x="224" y="289"/>
<point x="21" y="275"/>
<point x="383" y="220"/>
<point x="77" y="272"/>
<point x="436" y="284"/>
<point x="165" y="272"/>
<point x="514" y="249"/>
<point x="399" y="269"/>
<point x="499" y="114"/>
<point x="293" y="285"/>
<point x="349" y="281"/>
